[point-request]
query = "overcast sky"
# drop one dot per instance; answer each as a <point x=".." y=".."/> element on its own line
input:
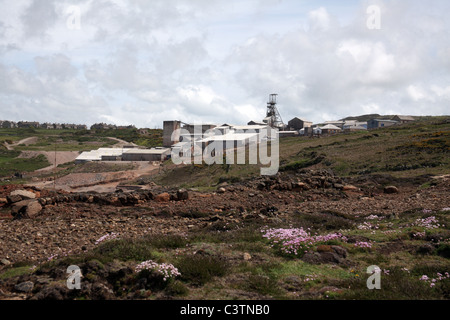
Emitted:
<point x="216" y="61"/>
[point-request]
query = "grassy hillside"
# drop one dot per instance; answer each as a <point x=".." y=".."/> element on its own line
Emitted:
<point x="367" y="117"/>
<point x="409" y="150"/>
<point x="10" y="164"/>
<point x="77" y="140"/>
<point x="153" y="137"/>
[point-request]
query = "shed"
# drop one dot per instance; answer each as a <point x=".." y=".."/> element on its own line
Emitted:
<point x="298" y="123"/>
<point x="156" y="154"/>
<point x="330" y="129"/>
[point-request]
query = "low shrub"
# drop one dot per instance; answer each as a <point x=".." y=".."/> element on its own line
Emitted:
<point x="199" y="269"/>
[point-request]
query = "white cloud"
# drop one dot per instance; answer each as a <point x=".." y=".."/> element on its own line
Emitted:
<point x="213" y="61"/>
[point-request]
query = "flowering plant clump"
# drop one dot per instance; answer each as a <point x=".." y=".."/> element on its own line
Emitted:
<point x="363" y="244"/>
<point x="433" y="281"/>
<point x="106" y="237"/>
<point x="373" y="217"/>
<point x="167" y="270"/>
<point x="428" y="223"/>
<point x="296" y="241"/>
<point x="419" y="235"/>
<point x="367" y="226"/>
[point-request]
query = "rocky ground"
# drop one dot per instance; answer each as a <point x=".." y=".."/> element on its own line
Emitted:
<point x="38" y="225"/>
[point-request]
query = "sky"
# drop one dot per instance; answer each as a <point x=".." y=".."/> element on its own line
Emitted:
<point x="142" y="62"/>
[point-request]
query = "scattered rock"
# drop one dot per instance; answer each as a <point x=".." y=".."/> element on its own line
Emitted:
<point x="26" y="286"/>
<point x="349" y="187"/>
<point x="182" y="194"/>
<point x="247" y="256"/>
<point x="13" y="198"/>
<point x="163" y="197"/>
<point x="33" y="209"/>
<point x="5" y="262"/>
<point x="221" y="190"/>
<point x="390" y="189"/>
<point x="356" y="238"/>
<point x="18" y="208"/>
<point x="26" y="209"/>
<point x="99" y="291"/>
<point x="56" y="291"/>
<point x="24" y="194"/>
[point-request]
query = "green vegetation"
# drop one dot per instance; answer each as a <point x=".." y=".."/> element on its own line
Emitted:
<point x="410" y="150"/>
<point x="10" y="164"/>
<point x="153" y="137"/>
<point x="211" y="261"/>
<point x="77" y="140"/>
<point x="231" y="259"/>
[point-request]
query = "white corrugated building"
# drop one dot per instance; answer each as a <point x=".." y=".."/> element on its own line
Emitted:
<point x="124" y="154"/>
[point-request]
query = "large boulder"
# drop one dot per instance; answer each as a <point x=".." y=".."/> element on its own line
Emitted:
<point x="24" y="194"/>
<point x="13" y="198"/>
<point x="33" y="209"/>
<point x="26" y="209"/>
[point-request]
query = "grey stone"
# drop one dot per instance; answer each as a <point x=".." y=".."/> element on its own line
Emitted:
<point x="390" y="189"/>
<point x="24" y="194"/>
<point x="182" y="194"/>
<point x="221" y="190"/>
<point x="26" y="286"/>
<point x="33" y="209"/>
<point x="14" y="198"/>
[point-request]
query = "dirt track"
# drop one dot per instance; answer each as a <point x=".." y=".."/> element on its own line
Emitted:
<point x="97" y="181"/>
<point x="26" y="141"/>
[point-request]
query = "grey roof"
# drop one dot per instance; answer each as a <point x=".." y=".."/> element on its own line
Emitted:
<point x="407" y="118"/>
<point x="330" y="127"/>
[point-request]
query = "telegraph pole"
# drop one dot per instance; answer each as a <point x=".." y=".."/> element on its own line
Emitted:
<point x="54" y="171"/>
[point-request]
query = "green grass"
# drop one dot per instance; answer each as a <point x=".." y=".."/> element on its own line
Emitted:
<point x="15" y="272"/>
<point x="411" y="150"/>
<point x="78" y="140"/>
<point x="10" y="164"/>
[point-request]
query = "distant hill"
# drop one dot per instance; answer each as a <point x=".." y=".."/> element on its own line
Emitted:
<point x="367" y="117"/>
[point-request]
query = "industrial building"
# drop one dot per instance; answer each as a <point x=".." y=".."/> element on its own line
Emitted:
<point x="403" y="119"/>
<point x="380" y="123"/>
<point x="169" y="127"/>
<point x="230" y="140"/>
<point x="298" y="124"/>
<point x="156" y="154"/>
<point x="330" y="129"/>
<point x="100" y="154"/>
<point x="124" y="154"/>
